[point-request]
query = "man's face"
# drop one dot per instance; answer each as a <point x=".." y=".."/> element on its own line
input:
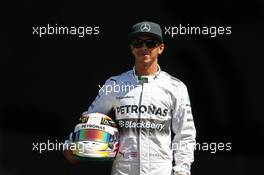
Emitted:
<point x="146" y="49"/>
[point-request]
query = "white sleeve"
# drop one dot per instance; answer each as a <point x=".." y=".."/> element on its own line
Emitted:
<point x="104" y="102"/>
<point x="183" y="127"/>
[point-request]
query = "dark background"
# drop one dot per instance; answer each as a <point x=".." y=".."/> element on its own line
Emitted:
<point x="47" y="82"/>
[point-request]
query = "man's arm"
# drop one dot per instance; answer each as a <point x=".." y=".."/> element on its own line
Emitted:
<point x="103" y="103"/>
<point x="185" y="133"/>
<point x="67" y="152"/>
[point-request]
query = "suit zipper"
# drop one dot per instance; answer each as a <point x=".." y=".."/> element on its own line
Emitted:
<point x="139" y="116"/>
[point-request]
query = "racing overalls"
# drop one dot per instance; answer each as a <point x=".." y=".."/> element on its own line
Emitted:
<point x="153" y="113"/>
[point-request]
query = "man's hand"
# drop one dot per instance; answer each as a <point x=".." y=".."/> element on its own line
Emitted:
<point x="70" y="157"/>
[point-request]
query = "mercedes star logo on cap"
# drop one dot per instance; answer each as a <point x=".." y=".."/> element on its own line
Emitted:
<point x="145" y="27"/>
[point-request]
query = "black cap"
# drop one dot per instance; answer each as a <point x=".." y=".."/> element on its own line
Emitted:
<point x="146" y="28"/>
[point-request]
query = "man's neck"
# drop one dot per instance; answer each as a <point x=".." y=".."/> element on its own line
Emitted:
<point x="142" y="69"/>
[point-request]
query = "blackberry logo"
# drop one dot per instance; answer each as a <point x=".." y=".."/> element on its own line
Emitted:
<point x="141" y="124"/>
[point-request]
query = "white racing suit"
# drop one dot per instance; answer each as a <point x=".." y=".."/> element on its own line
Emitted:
<point x="157" y="132"/>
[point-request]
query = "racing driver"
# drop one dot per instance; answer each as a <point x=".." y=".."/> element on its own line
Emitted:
<point x="152" y="110"/>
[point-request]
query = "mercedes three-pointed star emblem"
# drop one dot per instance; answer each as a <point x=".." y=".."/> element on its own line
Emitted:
<point x="145" y="27"/>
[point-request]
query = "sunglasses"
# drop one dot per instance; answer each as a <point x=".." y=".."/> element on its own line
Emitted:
<point x="150" y="43"/>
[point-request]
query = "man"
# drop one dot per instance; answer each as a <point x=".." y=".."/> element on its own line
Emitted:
<point x="153" y="112"/>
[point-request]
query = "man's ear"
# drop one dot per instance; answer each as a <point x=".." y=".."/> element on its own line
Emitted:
<point x="161" y="48"/>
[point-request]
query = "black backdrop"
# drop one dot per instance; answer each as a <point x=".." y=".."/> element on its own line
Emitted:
<point x="48" y="82"/>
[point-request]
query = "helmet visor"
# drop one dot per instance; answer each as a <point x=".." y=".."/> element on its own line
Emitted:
<point x="92" y="135"/>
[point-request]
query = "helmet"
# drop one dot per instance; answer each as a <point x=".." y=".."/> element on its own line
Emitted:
<point x="96" y="137"/>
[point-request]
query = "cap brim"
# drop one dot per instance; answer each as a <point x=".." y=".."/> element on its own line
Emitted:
<point x="134" y="35"/>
